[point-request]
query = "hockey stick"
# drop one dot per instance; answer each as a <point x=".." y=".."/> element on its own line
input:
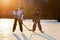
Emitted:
<point x="26" y="27"/>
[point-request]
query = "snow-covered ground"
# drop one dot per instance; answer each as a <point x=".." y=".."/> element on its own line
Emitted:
<point x="51" y="30"/>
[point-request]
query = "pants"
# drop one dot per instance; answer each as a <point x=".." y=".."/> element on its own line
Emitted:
<point x="20" y="24"/>
<point x="39" y="26"/>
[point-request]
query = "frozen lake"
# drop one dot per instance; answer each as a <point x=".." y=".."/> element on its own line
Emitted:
<point x="51" y="30"/>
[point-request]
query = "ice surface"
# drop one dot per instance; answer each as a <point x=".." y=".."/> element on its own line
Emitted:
<point x="51" y="30"/>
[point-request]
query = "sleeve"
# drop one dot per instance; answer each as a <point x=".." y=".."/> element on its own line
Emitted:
<point x="33" y="16"/>
<point x="22" y="16"/>
<point x="39" y="15"/>
<point x="14" y="13"/>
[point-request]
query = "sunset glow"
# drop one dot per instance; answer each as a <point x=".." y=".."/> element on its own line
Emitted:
<point x="6" y="2"/>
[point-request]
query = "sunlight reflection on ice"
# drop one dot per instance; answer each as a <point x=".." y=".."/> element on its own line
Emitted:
<point x="4" y="23"/>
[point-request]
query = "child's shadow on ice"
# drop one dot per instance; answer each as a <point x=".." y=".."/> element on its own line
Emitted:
<point x="46" y="36"/>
